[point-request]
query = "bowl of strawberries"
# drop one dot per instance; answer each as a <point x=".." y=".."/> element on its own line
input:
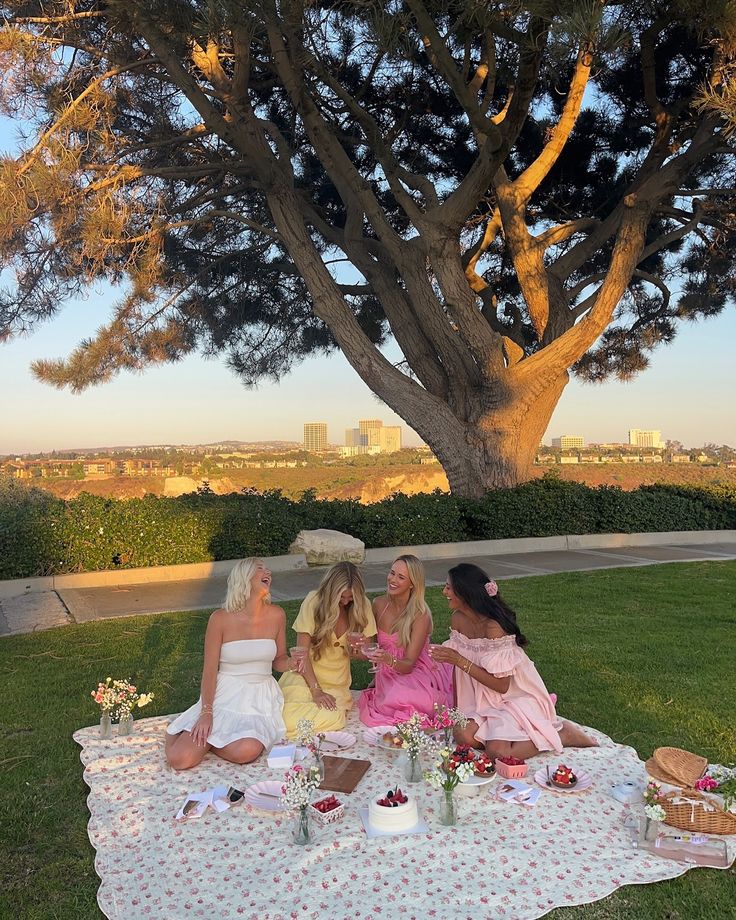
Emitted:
<point x="511" y="767"/>
<point x="327" y="810"/>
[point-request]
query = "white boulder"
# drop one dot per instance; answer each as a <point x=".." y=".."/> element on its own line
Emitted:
<point x="326" y="547"/>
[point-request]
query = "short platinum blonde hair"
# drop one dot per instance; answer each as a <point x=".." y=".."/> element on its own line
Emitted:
<point x="238" y="583"/>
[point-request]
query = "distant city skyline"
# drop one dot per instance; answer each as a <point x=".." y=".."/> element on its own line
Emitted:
<point x="686" y="394"/>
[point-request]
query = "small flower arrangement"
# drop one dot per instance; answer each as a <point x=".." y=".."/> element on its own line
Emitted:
<point x="720" y="780"/>
<point x="444" y="720"/>
<point x="446" y="774"/>
<point x="118" y="698"/>
<point x="298" y="784"/>
<point x="414" y="737"/>
<point x="653" y="797"/>
<point x="306" y="737"/>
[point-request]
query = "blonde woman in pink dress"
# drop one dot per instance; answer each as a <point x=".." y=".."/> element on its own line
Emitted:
<point x="407" y="680"/>
<point x="496" y="684"/>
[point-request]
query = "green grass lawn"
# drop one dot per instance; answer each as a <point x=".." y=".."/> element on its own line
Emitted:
<point x="645" y="654"/>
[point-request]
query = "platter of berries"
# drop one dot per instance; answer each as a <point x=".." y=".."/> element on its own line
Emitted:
<point x="393" y="798"/>
<point x="463" y="753"/>
<point x="563" y="779"/>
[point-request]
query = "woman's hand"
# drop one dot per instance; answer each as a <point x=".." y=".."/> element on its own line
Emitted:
<point x="324" y="700"/>
<point x="445" y="655"/>
<point x="382" y="656"/>
<point x="202" y="729"/>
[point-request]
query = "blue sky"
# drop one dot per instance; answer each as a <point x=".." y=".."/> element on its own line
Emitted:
<point x="688" y="393"/>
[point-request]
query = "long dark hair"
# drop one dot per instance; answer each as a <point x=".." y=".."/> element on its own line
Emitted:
<point x="469" y="583"/>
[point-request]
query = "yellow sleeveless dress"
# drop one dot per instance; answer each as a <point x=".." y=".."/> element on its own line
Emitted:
<point x="332" y="671"/>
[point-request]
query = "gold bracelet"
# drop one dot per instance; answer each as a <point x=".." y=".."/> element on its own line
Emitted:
<point x="314" y="687"/>
<point x="467" y="666"/>
<point x="393" y="662"/>
<point x="206" y="707"/>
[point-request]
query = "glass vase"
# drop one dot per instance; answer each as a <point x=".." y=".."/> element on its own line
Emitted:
<point x="302" y="832"/>
<point x="651" y="829"/>
<point x="125" y="725"/>
<point x="105" y="725"/>
<point x="413" y="769"/>
<point x="448" y="811"/>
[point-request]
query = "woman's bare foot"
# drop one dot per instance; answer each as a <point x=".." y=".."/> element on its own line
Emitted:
<point x="572" y="736"/>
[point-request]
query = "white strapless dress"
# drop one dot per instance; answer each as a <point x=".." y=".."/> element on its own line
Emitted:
<point x="248" y="702"/>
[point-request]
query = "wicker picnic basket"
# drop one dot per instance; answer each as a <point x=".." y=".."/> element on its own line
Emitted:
<point x="686" y="808"/>
<point x="690" y="810"/>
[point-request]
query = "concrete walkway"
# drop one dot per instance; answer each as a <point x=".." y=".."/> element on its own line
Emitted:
<point x="67" y="605"/>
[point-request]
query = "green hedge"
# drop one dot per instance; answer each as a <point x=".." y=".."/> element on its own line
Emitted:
<point x="41" y="535"/>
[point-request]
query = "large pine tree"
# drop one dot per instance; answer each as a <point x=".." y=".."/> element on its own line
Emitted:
<point x="513" y="191"/>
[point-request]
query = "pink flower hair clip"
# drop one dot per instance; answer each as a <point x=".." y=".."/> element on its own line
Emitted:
<point x="491" y="588"/>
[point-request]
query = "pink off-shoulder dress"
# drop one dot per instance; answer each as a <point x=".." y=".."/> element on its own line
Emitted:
<point x="524" y="713"/>
<point x="396" y="697"/>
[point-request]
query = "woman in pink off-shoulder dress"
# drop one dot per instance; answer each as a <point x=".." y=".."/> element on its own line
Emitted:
<point x="496" y="684"/>
<point x="407" y="680"/>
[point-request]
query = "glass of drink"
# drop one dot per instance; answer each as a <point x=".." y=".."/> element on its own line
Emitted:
<point x="355" y="641"/>
<point x="298" y="653"/>
<point x="369" y="650"/>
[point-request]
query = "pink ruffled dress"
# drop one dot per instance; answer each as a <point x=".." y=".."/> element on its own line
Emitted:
<point x="396" y="697"/>
<point x="524" y="713"/>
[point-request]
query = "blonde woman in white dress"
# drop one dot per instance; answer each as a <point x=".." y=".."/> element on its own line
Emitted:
<point x="239" y="711"/>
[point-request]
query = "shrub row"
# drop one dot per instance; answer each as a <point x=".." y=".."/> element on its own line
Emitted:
<point x="41" y="535"/>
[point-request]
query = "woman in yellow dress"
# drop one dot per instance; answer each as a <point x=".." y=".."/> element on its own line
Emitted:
<point x="320" y="692"/>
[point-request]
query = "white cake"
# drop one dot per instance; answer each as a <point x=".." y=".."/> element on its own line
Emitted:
<point x="394" y="818"/>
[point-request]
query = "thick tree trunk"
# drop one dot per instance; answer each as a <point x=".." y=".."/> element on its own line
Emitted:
<point x="496" y="446"/>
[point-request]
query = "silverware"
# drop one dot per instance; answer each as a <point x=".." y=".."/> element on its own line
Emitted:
<point x="549" y="781"/>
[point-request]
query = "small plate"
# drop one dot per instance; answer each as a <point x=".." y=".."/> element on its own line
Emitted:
<point x="265" y="795"/>
<point x="338" y="741"/>
<point x="375" y="736"/>
<point x="585" y="781"/>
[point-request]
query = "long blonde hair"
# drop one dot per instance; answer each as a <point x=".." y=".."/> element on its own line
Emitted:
<point x="238" y="584"/>
<point x="344" y="576"/>
<point x="417" y="605"/>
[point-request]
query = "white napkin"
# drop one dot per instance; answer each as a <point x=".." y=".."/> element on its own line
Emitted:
<point x="281" y="756"/>
<point x="211" y="798"/>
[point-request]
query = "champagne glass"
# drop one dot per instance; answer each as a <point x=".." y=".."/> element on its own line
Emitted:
<point x="369" y="650"/>
<point x="298" y="654"/>
<point x="355" y="642"/>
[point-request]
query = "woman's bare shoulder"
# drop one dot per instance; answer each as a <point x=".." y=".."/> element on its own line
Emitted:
<point x="278" y="614"/>
<point x="379" y="604"/>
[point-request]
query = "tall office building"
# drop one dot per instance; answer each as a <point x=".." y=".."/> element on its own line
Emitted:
<point x="315" y="436"/>
<point x="389" y="439"/>
<point x="639" y="438"/>
<point x="569" y="442"/>
<point x="372" y="437"/>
